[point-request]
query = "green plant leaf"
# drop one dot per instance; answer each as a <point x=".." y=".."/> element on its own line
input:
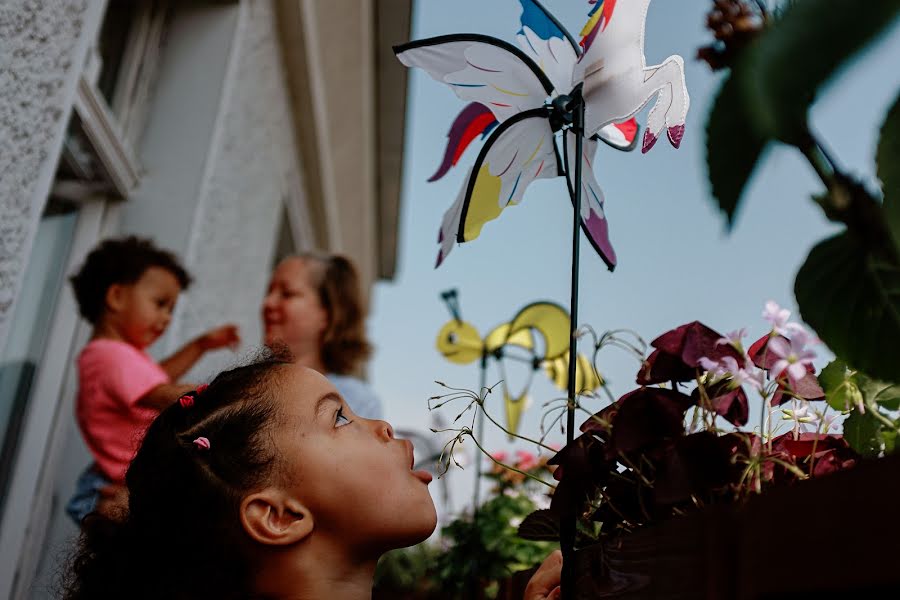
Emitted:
<point x="863" y="433"/>
<point x="888" y="159"/>
<point x="733" y="148"/>
<point x="885" y="394"/>
<point x="841" y="389"/>
<point x="782" y="73"/>
<point x="852" y="300"/>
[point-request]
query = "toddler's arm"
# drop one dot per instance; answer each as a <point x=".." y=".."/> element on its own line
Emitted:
<point x="179" y="363"/>
<point x="164" y="394"/>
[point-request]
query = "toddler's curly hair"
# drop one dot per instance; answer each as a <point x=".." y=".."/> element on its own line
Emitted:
<point x="119" y="261"/>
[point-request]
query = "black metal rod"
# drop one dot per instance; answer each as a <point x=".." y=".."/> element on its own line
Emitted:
<point x="570" y="516"/>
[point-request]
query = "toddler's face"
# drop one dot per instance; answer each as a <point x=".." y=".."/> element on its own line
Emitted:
<point x="146" y="306"/>
<point x="350" y="472"/>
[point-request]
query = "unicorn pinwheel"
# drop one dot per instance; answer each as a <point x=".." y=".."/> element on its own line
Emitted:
<point x="521" y="97"/>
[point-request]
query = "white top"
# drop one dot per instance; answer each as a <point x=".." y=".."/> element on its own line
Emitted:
<point x="358" y="394"/>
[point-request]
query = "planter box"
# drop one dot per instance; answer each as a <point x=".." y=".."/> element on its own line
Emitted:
<point x="815" y="539"/>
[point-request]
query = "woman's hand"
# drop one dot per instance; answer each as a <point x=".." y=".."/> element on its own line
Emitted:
<point x="544" y="584"/>
<point x="226" y="335"/>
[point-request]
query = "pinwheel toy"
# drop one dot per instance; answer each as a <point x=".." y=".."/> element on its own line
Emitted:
<point x="551" y="84"/>
<point x="521" y="97"/>
<point x="537" y="335"/>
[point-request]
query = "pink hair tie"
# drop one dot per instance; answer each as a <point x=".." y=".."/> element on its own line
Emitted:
<point x="202" y="388"/>
<point x="186" y="401"/>
<point x="202" y="442"/>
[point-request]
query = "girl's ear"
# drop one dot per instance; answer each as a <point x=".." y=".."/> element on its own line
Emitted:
<point x="273" y="518"/>
<point x="115" y="297"/>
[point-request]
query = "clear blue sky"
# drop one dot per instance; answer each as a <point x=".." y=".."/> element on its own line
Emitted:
<point x="677" y="262"/>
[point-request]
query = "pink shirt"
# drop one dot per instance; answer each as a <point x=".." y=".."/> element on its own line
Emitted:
<point x="112" y="377"/>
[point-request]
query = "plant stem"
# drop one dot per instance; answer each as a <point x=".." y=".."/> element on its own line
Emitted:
<point x="515" y="435"/>
<point x="505" y="466"/>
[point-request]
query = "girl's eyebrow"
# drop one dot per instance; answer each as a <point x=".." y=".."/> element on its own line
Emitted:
<point x="329" y="397"/>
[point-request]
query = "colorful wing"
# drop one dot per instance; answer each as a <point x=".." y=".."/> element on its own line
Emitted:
<point x="500" y="337"/>
<point x="514" y="409"/>
<point x="518" y="151"/>
<point x="550" y="320"/>
<point x="587" y="379"/>
<point x="450" y="223"/>
<point x="482" y="69"/>
<point x="621" y="136"/>
<point x="473" y="121"/>
<point x="593" y="217"/>
<point x="598" y="19"/>
<point x="548" y="44"/>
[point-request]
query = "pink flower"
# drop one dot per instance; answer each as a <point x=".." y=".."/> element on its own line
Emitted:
<point x="728" y="367"/>
<point x="776" y="315"/>
<point x="500" y="456"/>
<point x="792" y="358"/>
<point x="828" y="421"/>
<point x="800" y="416"/>
<point x="525" y="460"/>
<point x="733" y="338"/>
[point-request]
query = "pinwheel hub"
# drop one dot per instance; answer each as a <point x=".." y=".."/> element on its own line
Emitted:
<point x="563" y="108"/>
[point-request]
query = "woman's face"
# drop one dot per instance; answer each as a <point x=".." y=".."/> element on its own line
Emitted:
<point x="292" y="311"/>
<point x="351" y="473"/>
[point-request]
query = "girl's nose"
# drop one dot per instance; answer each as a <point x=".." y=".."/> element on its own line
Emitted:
<point x="384" y="429"/>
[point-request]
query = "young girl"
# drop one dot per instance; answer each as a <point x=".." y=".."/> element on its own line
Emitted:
<point x="315" y="307"/>
<point x="264" y="484"/>
<point x="127" y="290"/>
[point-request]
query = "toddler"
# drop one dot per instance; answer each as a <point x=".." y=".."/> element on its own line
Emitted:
<point x="127" y="289"/>
<point x="263" y="484"/>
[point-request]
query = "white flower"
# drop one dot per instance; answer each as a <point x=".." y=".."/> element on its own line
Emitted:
<point x="727" y="366"/>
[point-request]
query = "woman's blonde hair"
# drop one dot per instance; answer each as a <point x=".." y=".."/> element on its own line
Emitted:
<point x="345" y="347"/>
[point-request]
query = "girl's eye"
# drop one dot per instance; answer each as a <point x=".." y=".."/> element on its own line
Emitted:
<point x="340" y="420"/>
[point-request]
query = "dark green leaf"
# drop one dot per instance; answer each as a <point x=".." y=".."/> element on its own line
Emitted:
<point x="888" y="159"/>
<point x="732" y="148"/>
<point x="833" y="375"/>
<point x="841" y="389"/>
<point x="541" y="525"/>
<point x="885" y="394"/>
<point x="863" y="433"/>
<point x="782" y="73"/>
<point x="852" y="300"/>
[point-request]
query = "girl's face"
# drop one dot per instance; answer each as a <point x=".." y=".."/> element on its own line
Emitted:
<point x="292" y="312"/>
<point x="351" y="473"/>
<point x="143" y="310"/>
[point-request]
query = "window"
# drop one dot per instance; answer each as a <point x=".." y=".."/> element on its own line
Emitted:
<point x="27" y="337"/>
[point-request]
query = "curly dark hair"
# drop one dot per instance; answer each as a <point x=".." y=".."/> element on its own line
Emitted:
<point x="119" y="261"/>
<point x="345" y="346"/>
<point x="181" y="537"/>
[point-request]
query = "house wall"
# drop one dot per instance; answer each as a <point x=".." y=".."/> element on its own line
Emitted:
<point x="220" y="172"/>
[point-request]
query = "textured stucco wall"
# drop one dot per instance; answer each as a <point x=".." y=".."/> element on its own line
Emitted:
<point x="42" y="47"/>
<point x="253" y="168"/>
